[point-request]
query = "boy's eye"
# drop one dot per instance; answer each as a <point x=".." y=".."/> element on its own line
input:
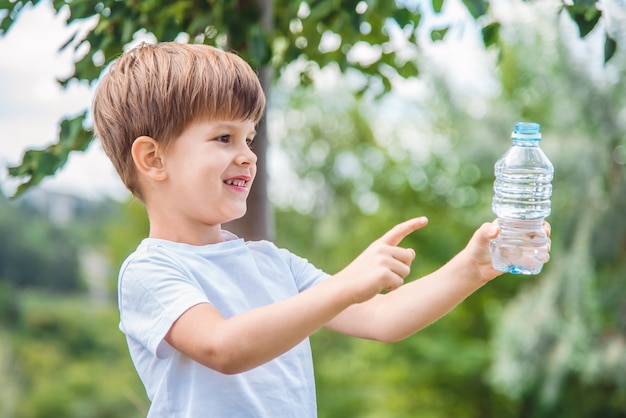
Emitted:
<point x="250" y="142"/>
<point x="223" y="138"/>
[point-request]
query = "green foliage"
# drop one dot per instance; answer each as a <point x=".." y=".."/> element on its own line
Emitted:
<point x="38" y="164"/>
<point x="68" y="359"/>
<point x="556" y="341"/>
<point x="550" y="345"/>
<point x="123" y="233"/>
<point x="36" y="253"/>
<point x="301" y="28"/>
<point x="356" y="179"/>
<point x="63" y="356"/>
<point x="8" y="305"/>
<point x="277" y="37"/>
<point x="585" y="17"/>
<point x="477" y="8"/>
<point x="491" y="33"/>
<point x="560" y="338"/>
<point x="359" y="184"/>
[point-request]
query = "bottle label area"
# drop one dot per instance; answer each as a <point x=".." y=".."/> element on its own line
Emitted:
<point x="522" y="194"/>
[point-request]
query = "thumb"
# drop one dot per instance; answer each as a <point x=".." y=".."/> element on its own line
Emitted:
<point x="400" y="231"/>
<point x="487" y="232"/>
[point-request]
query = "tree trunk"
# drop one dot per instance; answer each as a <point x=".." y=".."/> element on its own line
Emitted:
<point x="258" y="223"/>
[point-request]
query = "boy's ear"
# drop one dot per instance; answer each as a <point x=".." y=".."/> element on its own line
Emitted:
<point x="146" y="152"/>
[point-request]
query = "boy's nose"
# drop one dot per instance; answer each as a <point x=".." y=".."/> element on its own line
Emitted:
<point x="246" y="156"/>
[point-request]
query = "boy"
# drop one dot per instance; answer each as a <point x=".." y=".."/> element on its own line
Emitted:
<point x="216" y="326"/>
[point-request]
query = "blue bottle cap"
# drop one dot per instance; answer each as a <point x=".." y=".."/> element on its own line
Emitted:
<point x="526" y="131"/>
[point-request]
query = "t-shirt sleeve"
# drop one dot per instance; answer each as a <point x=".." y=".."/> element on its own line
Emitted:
<point x="305" y="274"/>
<point x="153" y="293"/>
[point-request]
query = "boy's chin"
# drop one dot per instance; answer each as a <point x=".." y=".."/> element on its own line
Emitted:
<point x="238" y="216"/>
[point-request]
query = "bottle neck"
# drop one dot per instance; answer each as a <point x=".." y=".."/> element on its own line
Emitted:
<point x="526" y="142"/>
<point x="526" y="135"/>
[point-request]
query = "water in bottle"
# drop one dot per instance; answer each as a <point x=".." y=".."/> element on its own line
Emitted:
<point x="521" y="201"/>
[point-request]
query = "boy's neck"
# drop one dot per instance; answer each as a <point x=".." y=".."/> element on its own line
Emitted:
<point x="168" y="222"/>
<point x="165" y="225"/>
<point x="210" y="235"/>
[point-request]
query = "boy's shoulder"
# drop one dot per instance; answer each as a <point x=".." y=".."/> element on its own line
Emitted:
<point x="151" y="249"/>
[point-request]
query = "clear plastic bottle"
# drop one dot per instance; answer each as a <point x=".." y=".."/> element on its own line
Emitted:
<point x="521" y="201"/>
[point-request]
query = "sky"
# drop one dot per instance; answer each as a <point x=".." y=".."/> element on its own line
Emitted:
<point x="32" y="104"/>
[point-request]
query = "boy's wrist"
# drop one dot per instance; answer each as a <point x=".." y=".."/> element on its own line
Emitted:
<point x="473" y="270"/>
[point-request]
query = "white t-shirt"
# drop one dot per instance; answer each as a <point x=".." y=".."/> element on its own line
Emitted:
<point x="162" y="279"/>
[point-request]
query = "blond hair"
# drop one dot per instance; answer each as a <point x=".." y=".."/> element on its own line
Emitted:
<point x="158" y="90"/>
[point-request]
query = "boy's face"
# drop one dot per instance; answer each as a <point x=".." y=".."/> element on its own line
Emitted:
<point x="210" y="169"/>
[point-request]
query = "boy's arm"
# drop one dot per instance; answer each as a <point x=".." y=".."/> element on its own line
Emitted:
<point x="252" y="338"/>
<point x="415" y="305"/>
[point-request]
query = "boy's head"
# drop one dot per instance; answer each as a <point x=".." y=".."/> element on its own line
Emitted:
<point x="158" y="90"/>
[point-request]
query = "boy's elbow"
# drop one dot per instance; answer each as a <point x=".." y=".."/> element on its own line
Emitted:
<point x="390" y="335"/>
<point x="224" y="365"/>
<point x="228" y="368"/>
<point x="391" y="338"/>
<point x="224" y="359"/>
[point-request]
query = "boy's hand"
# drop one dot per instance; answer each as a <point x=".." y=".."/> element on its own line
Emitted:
<point x="383" y="265"/>
<point x="478" y="249"/>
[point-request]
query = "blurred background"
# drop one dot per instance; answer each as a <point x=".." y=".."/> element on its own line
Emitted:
<point x="345" y="163"/>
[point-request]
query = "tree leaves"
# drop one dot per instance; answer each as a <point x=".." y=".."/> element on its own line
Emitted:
<point x="477" y="8"/>
<point x="585" y="16"/>
<point x="237" y="25"/>
<point x="491" y="34"/>
<point x="610" y="45"/>
<point x="438" y="34"/>
<point x="38" y="164"/>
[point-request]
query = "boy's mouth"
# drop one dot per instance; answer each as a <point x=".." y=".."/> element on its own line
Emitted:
<point x="240" y="182"/>
<point x="235" y="182"/>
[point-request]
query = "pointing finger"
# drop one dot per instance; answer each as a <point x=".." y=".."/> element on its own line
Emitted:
<point x="396" y="234"/>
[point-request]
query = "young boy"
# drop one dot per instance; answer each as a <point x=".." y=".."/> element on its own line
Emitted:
<point x="216" y="326"/>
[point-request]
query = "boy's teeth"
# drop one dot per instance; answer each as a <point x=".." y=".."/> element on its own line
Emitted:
<point x="239" y="183"/>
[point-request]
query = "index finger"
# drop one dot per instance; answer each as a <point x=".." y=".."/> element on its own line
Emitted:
<point x="396" y="234"/>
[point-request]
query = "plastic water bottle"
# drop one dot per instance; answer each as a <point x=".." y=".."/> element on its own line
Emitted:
<point x="521" y="201"/>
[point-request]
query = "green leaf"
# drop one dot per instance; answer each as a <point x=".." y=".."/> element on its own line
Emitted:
<point x="321" y="10"/>
<point x="588" y="4"/>
<point x="259" y="48"/>
<point x="11" y="8"/>
<point x="408" y="69"/>
<point x="5" y="24"/>
<point x="437" y="5"/>
<point x="585" y="18"/>
<point x="128" y="28"/>
<point x="405" y="17"/>
<point x="477" y="8"/>
<point x="609" y="47"/>
<point x="73" y="136"/>
<point x="438" y="34"/>
<point x="38" y="164"/>
<point x="491" y="33"/>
